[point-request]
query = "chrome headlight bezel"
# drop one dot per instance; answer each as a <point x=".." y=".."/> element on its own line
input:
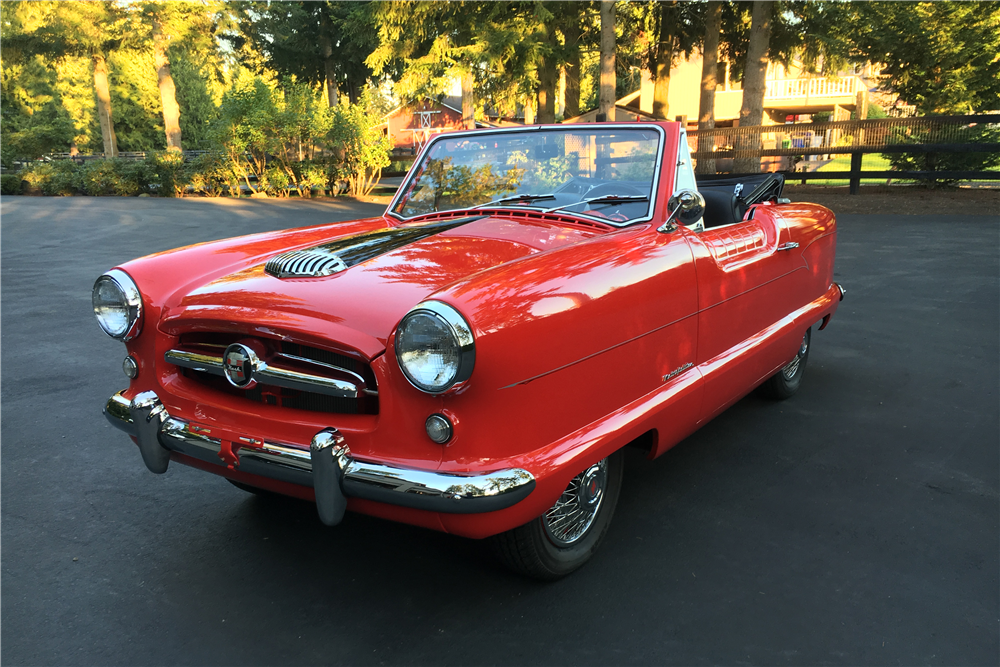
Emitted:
<point x="453" y="324"/>
<point x="131" y="300"/>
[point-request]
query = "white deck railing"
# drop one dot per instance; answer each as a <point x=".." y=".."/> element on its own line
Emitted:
<point x="841" y="86"/>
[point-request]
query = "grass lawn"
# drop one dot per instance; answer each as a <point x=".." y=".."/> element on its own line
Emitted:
<point x="869" y="162"/>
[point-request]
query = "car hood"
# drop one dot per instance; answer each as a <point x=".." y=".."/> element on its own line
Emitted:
<point x="388" y="271"/>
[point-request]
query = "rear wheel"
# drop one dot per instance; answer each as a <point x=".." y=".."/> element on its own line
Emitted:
<point x="785" y="382"/>
<point x="568" y="534"/>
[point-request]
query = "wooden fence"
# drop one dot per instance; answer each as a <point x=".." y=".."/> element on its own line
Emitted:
<point x="923" y="135"/>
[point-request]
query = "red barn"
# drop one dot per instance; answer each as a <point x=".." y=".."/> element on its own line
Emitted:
<point x="410" y="126"/>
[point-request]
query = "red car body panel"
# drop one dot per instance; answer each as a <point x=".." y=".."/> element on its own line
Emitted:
<point x="587" y="336"/>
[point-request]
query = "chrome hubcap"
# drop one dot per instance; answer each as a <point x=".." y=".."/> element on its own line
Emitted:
<point x="792" y="367"/>
<point x="573" y="514"/>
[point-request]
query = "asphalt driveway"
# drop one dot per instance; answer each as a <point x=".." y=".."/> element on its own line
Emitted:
<point x="856" y="523"/>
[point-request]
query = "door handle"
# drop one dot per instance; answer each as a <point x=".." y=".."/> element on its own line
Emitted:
<point x="787" y="246"/>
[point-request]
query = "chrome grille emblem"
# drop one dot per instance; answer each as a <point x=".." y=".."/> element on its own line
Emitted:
<point x="307" y="263"/>
<point x="239" y="364"/>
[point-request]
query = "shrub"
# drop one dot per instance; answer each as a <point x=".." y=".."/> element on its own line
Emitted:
<point x="52" y="178"/>
<point x="972" y="134"/>
<point x="98" y="177"/>
<point x="169" y="172"/>
<point x="65" y="179"/>
<point x="312" y="178"/>
<point x="10" y="184"/>
<point x="275" y="182"/>
<point x="362" y="147"/>
<point x="211" y="175"/>
<point x="124" y="178"/>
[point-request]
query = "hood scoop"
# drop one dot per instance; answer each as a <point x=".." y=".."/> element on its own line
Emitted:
<point x="343" y="253"/>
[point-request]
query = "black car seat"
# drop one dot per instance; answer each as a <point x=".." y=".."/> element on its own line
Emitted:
<point x="727" y="199"/>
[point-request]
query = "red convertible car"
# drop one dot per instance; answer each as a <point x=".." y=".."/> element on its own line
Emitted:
<point x="473" y="361"/>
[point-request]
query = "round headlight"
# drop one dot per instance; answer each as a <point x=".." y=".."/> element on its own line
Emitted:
<point x="117" y="305"/>
<point x="435" y="347"/>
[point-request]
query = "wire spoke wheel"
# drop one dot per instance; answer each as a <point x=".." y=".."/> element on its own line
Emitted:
<point x="573" y="514"/>
<point x="786" y="381"/>
<point x="567" y="534"/>
<point x="792" y="367"/>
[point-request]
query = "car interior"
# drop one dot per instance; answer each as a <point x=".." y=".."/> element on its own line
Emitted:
<point x="728" y="197"/>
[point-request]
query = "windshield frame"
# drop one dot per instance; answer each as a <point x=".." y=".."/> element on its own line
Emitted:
<point x="654" y="191"/>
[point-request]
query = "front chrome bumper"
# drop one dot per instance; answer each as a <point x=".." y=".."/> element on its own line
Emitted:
<point x="327" y="465"/>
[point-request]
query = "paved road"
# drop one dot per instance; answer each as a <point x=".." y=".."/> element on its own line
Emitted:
<point x="854" y="524"/>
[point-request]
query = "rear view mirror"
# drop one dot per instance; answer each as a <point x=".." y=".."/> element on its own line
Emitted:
<point x="687" y="206"/>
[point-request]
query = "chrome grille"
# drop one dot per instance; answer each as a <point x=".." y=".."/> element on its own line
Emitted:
<point x="293" y="375"/>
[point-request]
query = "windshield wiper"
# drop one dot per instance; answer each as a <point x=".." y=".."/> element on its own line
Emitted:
<point x="521" y="197"/>
<point x="603" y="199"/>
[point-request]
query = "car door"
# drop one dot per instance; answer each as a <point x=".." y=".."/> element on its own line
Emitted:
<point x="746" y="276"/>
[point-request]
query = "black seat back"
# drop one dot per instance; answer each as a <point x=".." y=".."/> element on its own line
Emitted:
<point x="727" y="197"/>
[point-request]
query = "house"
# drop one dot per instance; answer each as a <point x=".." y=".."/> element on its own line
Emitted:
<point x="409" y="126"/>
<point x="791" y="93"/>
<point x="626" y="110"/>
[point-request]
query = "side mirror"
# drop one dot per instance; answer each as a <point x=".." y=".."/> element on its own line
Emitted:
<point x="687" y="206"/>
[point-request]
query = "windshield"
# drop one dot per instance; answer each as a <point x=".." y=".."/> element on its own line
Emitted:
<point x="607" y="173"/>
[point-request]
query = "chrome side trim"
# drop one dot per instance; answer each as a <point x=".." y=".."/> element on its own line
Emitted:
<point x="274" y="375"/>
<point x="843" y="292"/>
<point x="327" y="465"/>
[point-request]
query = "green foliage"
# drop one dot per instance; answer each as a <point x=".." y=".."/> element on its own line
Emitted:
<point x="10" y="184"/>
<point x="939" y="56"/>
<point x="361" y="147"/>
<point x="445" y="186"/>
<point x="200" y="83"/>
<point x="136" y="101"/>
<point x="299" y="39"/>
<point x="971" y="134"/>
<point x="210" y="174"/>
<point x="52" y="178"/>
<point x="168" y="172"/>
<point x="124" y="178"/>
<point x="34" y="120"/>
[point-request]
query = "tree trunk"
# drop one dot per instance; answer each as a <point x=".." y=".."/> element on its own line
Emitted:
<point x="330" y="71"/>
<point x="529" y="110"/>
<point x="104" y="105"/>
<point x="571" y="33"/>
<point x="608" y="81"/>
<point x="664" y="59"/>
<point x="754" y="84"/>
<point x="548" y="78"/>
<point x="468" y="101"/>
<point x="709" y="76"/>
<point x="168" y="94"/>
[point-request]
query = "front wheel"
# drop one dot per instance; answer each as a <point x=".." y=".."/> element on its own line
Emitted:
<point x="785" y="382"/>
<point x="568" y="534"/>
